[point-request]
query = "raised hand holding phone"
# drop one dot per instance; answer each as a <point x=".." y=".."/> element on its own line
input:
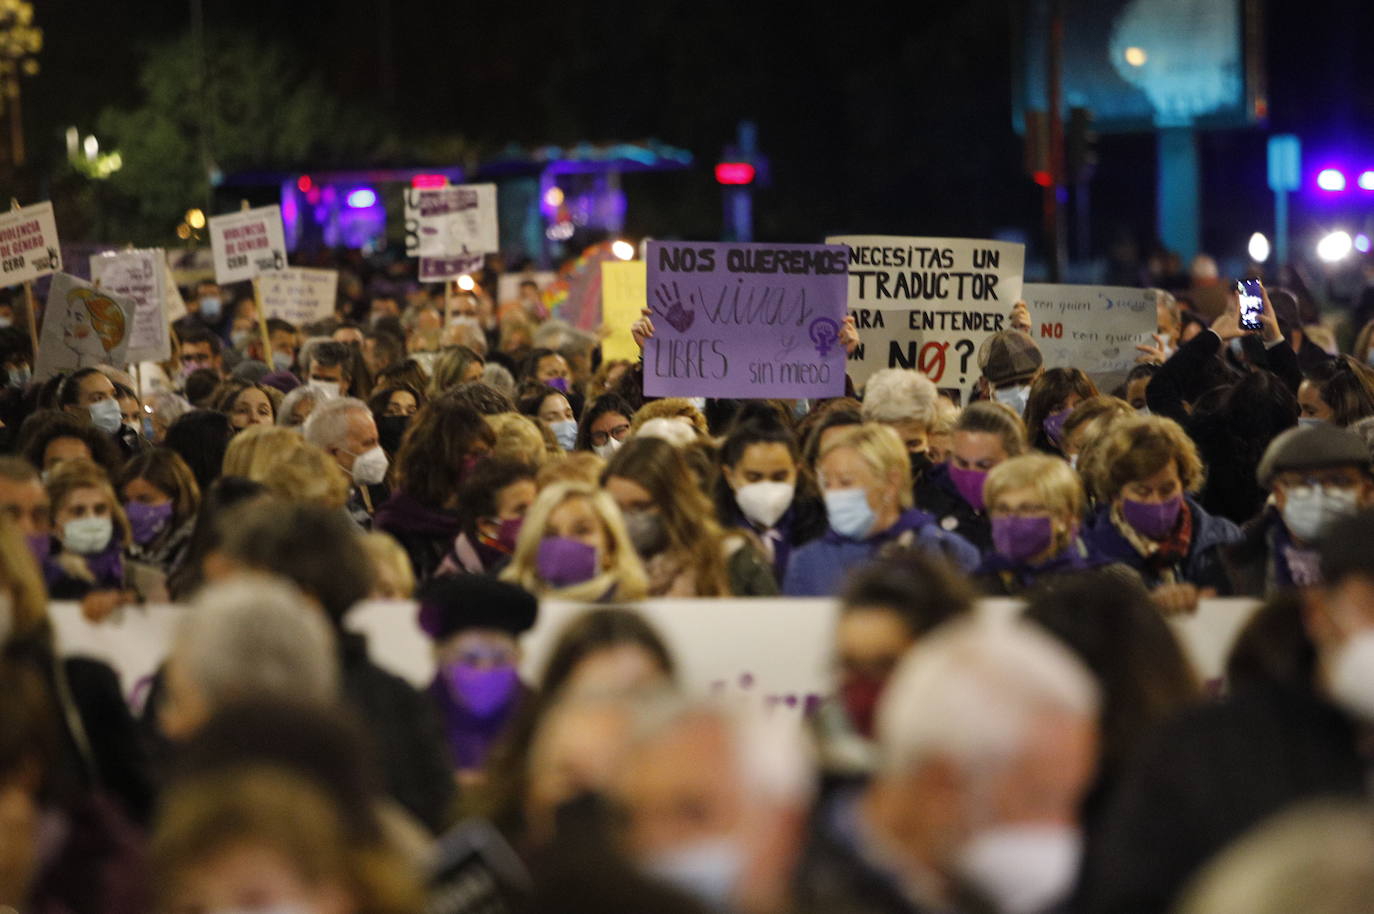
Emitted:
<point x="1251" y="294"/>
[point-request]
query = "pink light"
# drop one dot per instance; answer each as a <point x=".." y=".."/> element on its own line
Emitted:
<point x="735" y="173"/>
<point x="428" y="182"/>
<point x="303" y="184"/>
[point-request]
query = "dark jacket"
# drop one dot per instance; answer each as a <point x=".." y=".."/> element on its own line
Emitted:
<point x="818" y="568"/>
<point x="357" y="506"/>
<point x="426" y="533"/>
<point x="998" y="576"/>
<point x="1207" y="778"/>
<point x="936" y="495"/>
<point x="803" y="522"/>
<point x="1202" y="567"/>
<point x="99" y="866"/>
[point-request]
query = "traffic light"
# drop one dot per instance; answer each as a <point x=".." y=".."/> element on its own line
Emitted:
<point x="1080" y="146"/>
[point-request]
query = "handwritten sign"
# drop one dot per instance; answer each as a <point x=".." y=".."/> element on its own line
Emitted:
<point x="439" y="269"/>
<point x="299" y="295"/>
<point x="1095" y="328"/>
<point x="247" y="243"/>
<point x="28" y="244"/>
<point x="745" y="320"/>
<point x="622" y="299"/>
<point x="140" y="276"/>
<point x="458" y="220"/>
<point x="929" y="303"/>
<point x="82" y="326"/>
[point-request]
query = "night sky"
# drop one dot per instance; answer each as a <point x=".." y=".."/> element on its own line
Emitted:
<point x="877" y="117"/>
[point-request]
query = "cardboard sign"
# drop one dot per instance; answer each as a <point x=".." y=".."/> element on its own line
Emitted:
<point x="28" y="244"/>
<point x="82" y="326"/>
<point x="441" y="269"/>
<point x="929" y="303"/>
<point x="173" y="307"/>
<point x="745" y="320"/>
<point x="140" y="276"/>
<point x="458" y="220"/>
<point x="622" y="299"/>
<point x="299" y="295"/>
<point x="247" y="243"/>
<point x="1095" y="328"/>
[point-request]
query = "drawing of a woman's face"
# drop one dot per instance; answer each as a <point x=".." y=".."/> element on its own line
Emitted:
<point x="78" y="321"/>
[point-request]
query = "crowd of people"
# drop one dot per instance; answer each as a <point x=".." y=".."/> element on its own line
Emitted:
<point x="478" y="457"/>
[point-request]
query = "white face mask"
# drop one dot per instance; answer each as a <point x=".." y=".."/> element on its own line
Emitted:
<point x="604" y="451"/>
<point x="1015" y="397"/>
<point x="1023" y="868"/>
<point x="1307" y="515"/>
<point x="565" y="430"/>
<point x="87" y="535"/>
<point x="328" y="389"/>
<point x="765" y="502"/>
<point x="369" y="467"/>
<point x="708" y="869"/>
<point x="1352" y="675"/>
<point x="105" y="415"/>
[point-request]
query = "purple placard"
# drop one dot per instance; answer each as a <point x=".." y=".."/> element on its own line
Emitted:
<point x="746" y="320"/>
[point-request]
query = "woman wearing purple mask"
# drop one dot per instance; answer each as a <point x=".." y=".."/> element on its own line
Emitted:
<point x="1147" y="467"/>
<point x="573" y="546"/>
<point x="1053" y="397"/>
<point x="492" y="504"/>
<point x="985" y="435"/>
<point x="160" y="498"/>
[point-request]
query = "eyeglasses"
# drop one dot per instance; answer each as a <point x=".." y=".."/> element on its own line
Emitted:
<point x="1302" y="486"/>
<point x="618" y="433"/>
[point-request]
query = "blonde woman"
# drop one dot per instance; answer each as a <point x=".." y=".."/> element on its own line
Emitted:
<point x="520" y="438"/>
<point x="289" y="466"/>
<point x="573" y="546"/>
<point x="865" y="477"/>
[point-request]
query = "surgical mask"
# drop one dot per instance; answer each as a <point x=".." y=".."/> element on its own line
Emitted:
<point x="281" y="361"/>
<point x="1023" y="869"/>
<point x="558" y="384"/>
<point x="646" y="531"/>
<point x="147" y="521"/>
<point x="565" y="430"/>
<point x="369" y="467"/>
<point x="210" y="307"/>
<point x="564" y="562"/>
<point x="709" y="869"/>
<point x="105" y="415"/>
<point x="1310" y="421"/>
<point x="1352" y="675"/>
<point x="1308" y="513"/>
<point x="483" y="692"/>
<point x="1054" y="426"/>
<point x="327" y="389"/>
<point x="241" y="338"/>
<point x="849" y="512"/>
<point x="969" y="484"/>
<point x="466" y="320"/>
<point x="20" y="375"/>
<point x="1019" y="539"/>
<point x="87" y="535"/>
<point x="604" y="451"/>
<point x="1152" y="520"/>
<point x="1014" y="396"/>
<point x="764" y="503"/>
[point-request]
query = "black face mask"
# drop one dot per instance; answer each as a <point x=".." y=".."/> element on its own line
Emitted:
<point x="920" y="463"/>
<point x="389" y="432"/>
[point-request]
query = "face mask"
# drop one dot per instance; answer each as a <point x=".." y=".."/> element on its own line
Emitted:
<point x="860" y="696"/>
<point x="558" y="384"/>
<point x="566" y="432"/>
<point x="147" y="521"/>
<point x="1014" y="396"/>
<point x="1054" y="426"/>
<point x="40" y="544"/>
<point x="604" y="451"/>
<point x="106" y="416"/>
<point x="1023" y="868"/>
<point x="1021" y="538"/>
<point x="849" y="512"/>
<point x="1306" y="516"/>
<point x="564" y="562"/>
<point x="764" y="503"/>
<point x="969" y="484"/>
<point x="920" y="462"/>
<point x="509" y="531"/>
<point x="1310" y="421"/>
<point x="241" y="338"/>
<point x="327" y="389"/>
<point x="484" y="693"/>
<point x="390" y="430"/>
<point x="708" y="869"/>
<point x="20" y="376"/>
<point x="133" y="427"/>
<point x="87" y="535"/>
<point x="281" y="361"/>
<point x="646" y="532"/>
<point x="1153" y="521"/>
<point x="210" y="307"/>
<point x="466" y="320"/>
<point x="1352" y="675"/>
<point x="369" y="467"/>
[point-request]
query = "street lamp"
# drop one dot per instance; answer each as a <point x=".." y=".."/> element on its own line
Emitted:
<point x="20" y="42"/>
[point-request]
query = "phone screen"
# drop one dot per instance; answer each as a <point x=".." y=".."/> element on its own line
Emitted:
<point x="1251" y="304"/>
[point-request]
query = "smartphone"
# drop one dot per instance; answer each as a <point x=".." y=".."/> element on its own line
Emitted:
<point x="1251" y="303"/>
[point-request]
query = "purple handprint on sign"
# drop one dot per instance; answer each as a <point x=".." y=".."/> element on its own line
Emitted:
<point x="671" y="310"/>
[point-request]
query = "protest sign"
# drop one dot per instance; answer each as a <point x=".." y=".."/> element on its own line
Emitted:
<point x="247" y="243"/>
<point x="299" y="295"/>
<point x="745" y="320"/>
<point x="1095" y="328"/>
<point x="139" y="275"/>
<point x="133" y="642"/>
<point x="28" y="244"/>
<point x="441" y="269"/>
<point x="929" y="303"/>
<point x="173" y="307"/>
<point x="622" y="299"/>
<point x="82" y="326"/>
<point x="458" y="220"/>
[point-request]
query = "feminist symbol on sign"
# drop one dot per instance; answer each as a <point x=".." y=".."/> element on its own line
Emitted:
<point x="824" y="333"/>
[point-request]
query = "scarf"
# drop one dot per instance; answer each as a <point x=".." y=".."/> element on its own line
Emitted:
<point x="1160" y="558"/>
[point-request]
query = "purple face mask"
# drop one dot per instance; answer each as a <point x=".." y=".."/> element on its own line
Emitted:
<point x="558" y="384"/>
<point x="1154" y="521"/>
<point x="564" y="562"/>
<point x="509" y="532"/>
<point x="147" y="521"/>
<point x="1054" y="426"/>
<point x="1022" y="538"/>
<point x="40" y="544"/>
<point x="970" y="485"/>
<point x="483" y="692"/>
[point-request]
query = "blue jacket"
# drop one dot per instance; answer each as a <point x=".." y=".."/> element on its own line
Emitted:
<point x="818" y="568"/>
<point x="1202" y="567"/>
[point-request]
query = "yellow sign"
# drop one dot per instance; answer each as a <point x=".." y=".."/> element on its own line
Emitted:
<point x="623" y="297"/>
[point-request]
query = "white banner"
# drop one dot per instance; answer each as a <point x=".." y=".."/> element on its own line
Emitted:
<point x="28" y="244"/>
<point x="1095" y="328"/>
<point x="299" y="295"/>
<point x="141" y="276"/>
<point x="82" y="327"/>
<point x="247" y="243"/>
<point x="458" y="220"/>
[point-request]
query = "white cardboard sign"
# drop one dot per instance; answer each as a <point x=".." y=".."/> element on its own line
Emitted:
<point x="458" y="220"/>
<point x="247" y="243"/>
<point x="299" y="295"/>
<point x="1095" y="328"/>
<point x="28" y="244"/>
<point x="139" y="275"/>
<point x="82" y="327"/>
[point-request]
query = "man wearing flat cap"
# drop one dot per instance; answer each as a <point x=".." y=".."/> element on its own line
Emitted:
<point x="1316" y="475"/>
